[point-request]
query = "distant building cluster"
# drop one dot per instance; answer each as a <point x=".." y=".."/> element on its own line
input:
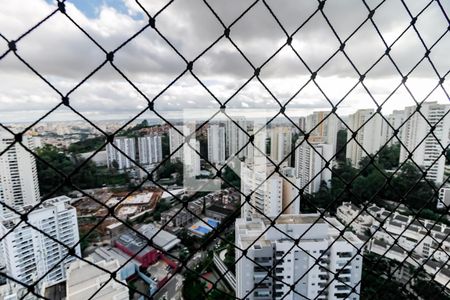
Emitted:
<point x="37" y="238"/>
<point x="282" y="252"/>
<point x="418" y="141"/>
<point x="129" y="152"/>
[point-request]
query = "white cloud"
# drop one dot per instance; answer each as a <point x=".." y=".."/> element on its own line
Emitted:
<point x="64" y="55"/>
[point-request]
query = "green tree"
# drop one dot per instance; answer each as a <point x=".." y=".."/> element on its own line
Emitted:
<point x="168" y="168"/>
<point x="373" y="284"/>
<point x="165" y="146"/>
<point x="193" y="288"/>
<point x="231" y="179"/>
<point x="389" y="156"/>
<point x="408" y="183"/>
<point x="428" y="289"/>
<point x="229" y="260"/>
<point x="343" y="174"/>
<point x="217" y="294"/>
<point x="294" y="139"/>
<point x="323" y="197"/>
<point x="49" y="179"/>
<point x="87" y="145"/>
<point x="369" y="187"/>
<point x="88" y="175"/>
<point x="341" y="145"/>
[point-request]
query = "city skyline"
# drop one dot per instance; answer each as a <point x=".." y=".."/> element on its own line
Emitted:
<point x="224" y="150"/>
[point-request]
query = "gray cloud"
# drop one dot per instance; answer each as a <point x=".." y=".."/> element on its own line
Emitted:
<point x="64" y="55"/>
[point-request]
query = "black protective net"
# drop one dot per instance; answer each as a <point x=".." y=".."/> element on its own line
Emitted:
<point x="385" y="238"/>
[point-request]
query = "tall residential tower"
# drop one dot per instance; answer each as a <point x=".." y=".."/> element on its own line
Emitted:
<point x="216" y="144"/>
<point x="320" y="265"/>
<point x="18" y="174"/>
<point x="426" y="145"/>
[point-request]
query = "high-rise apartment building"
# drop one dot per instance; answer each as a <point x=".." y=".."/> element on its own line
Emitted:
<point x="236" y="137"/>
<point x="368" y="125"/>
<point x="28" y="254"/>
<point x="281" y="145"/>
<point x="443" y="198"/>
<point x="18" y="174"/>
<point x="310" y="165"/>
<point x="188" y="153"/>
<point x="425" y="146"/>
<point x="191" y="158"/>
<point x="176" y="139"/>
<point x="324" y="127"/>
<point x="395" y="120"/>
<point x="216" y="144"/>
<point x="149" y="149"/>
<point x="269" y="195"/>
<point x="302" y="123"/>
<point x="323" y="265"/>
<point x="121" y="159"/>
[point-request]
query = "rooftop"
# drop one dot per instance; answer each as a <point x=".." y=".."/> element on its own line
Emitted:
<point x="161" y="238"/>
<point x="299" y="219"/>
<point x="84" y="280"/>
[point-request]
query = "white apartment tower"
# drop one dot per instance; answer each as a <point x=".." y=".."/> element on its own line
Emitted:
<point x="127" y="147"/>
<point x="302" y="123"/>
<point x="425" y="147"/>
<point x="268" y="195"/>
<point x="281" y="144"/>
<point x="176" y="139"/>
<point x="368" y="137"/>
<point x="395" y="120"/>
<point x="216" y="144"/>
<point x="325" y="125"/>
<point x="150" y="149"/>
<point x="28" y="254"/>
<point x="18" y="174"/>
<point x="310" y="266"/>
<point x="310" y="165"/>
<point x="443" y="198"/>
<point x="191" y="158"/>
<point x="236" y="138"/>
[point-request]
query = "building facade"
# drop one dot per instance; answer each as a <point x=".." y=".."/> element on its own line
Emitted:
<point x="426" y="148"/>
<point x="191" y="158"/>
<point x="28" y="254"/>
<point x="443" y="198"/>
<point x="18" y="174"/>
<point x="310" y="165"/>
<point x="368" y="127"/>
<point x="150" y="149"/>
<point x="268" y="195"/>
<point x="216" y="144"/>
<point x="176" y="139"/>
<point x="323" y="128"/>
<point x="121" y="159"/>
<point x="395" y="119"/>
<point x="236" y="137"/>
<point x="323" y="266"/>
<point x="281" y="145"/>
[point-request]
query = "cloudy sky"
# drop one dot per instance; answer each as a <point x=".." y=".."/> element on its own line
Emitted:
<point x="64" y="56"/>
